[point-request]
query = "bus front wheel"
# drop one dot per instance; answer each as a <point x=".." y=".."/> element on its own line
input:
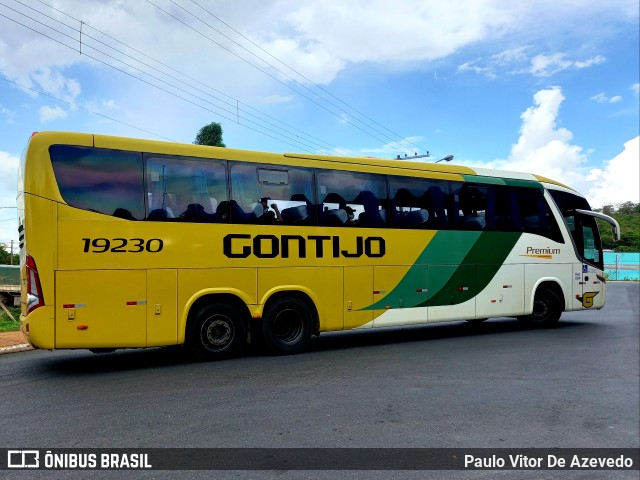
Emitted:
<point x="216" y="331"/>
<point x="547" y="309"/>
<point x="286" y="326"/>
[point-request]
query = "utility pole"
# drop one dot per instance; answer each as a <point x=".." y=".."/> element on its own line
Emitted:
<point x="12" y="241"/>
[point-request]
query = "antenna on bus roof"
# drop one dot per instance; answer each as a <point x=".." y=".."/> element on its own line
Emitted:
<point x="415" y="155"/>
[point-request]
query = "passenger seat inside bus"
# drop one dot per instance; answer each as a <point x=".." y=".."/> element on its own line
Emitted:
<point x="372" y="215"/>
<point x="473" y="222"/>
<point x="299" y="214"/>
<point x="336" y="217"/>
<point x="158" y="214"/>
<point x="238" y="215"/>
<point x="295" y="215"/>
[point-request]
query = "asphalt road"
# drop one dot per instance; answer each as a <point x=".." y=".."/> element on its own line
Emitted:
<point x="447" y="385"/>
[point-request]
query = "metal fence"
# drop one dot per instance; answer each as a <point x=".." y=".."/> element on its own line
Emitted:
<point x="622" y="266"/>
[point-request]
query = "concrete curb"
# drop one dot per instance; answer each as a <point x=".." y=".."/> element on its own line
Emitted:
<point x="16" y="348"/>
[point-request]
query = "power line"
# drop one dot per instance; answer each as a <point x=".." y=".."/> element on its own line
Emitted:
<point x="318" y="142"/>
<point x="314" y="142"/>
<point x="257" y="128"/>
<point x="75" y="105"/>
<point x="145" y="73"/>
<point x="298" y="73"/>
<point x="269" y="74"/>
<point x="273" y="77"/>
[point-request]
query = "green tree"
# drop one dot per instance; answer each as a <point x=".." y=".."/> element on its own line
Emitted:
<point x="628" y="216"/>
<point x="607" y="209"/>
<point x="628" y="208"/>
<point x="6" y="258"/>
<point x="210" y="135"/>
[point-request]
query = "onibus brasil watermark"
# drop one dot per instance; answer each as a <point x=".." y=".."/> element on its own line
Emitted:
<point x="583" y="459"/>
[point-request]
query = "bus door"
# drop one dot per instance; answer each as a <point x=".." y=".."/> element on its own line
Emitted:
<point x="101" y="309"/>
<point x="590" y="288"/>
<point x="358" y="297"/>
<point x="162" y="309"/>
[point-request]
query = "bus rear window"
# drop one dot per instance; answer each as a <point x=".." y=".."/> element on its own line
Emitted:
<point x="100" y="180"/>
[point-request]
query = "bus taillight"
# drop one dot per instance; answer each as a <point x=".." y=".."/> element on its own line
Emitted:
<point x="35" y="298"/>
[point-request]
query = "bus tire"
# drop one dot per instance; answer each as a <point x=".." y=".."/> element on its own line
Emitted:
<point x="547" y="309"/>
<point x="216" y="331"/>
<point x="287" y="326"/>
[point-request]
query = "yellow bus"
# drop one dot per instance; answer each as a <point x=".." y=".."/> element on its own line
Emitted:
<point x="138" y="243"/>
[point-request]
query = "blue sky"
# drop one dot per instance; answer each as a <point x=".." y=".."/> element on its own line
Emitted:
<point x="549" y="87"/>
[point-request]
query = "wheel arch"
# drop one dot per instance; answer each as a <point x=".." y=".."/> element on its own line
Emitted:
<point x="197" y="301"/>
<point x="552" y="284"/>
<point x="302" y="294"/>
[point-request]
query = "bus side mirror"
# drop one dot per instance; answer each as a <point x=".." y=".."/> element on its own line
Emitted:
<point x="616" y="233"/>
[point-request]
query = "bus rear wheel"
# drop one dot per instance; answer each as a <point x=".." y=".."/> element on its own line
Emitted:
<point x="215" y="332"/>
<point x="286" y="326"/>
<point x="547" y="309"/>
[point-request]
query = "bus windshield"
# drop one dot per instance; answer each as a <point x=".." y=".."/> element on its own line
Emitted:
<point x="583" y="228"/>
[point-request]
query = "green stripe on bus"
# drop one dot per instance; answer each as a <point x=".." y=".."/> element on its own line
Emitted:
<point x="446" y="248"/>
<point x="487" y="180"/>
<point x="455" y="265"/>
<point x="476" y="270"/>
<point x="512" y="182"/>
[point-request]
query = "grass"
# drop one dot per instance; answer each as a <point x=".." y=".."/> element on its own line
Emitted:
<point x="6" y="323"/>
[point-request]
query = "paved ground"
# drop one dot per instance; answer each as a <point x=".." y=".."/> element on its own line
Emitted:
<point x="451" y="385"/>
<point x="13" y="342"/>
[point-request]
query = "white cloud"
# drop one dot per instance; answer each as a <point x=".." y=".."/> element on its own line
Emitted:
<point x="317" y="38"/>
<point x="548" y="65"/>
<point x="546" y="149"/>
<point x="617" y="180"/>
<point x="590" y="62"/>
<point x="9" y="114"/>
<point x="488" y="66"/>
<point x="635" y="88"/>
<point x="274" y="99"/>
<point x="48" y="114"/>
<point x="519" y="61"/>
<point x="543" y="147"/>
<point x="100" y="105"/>
<point x="406" y="147"/>
<point x="603" y="98"/>
<point x="53" y="82"/>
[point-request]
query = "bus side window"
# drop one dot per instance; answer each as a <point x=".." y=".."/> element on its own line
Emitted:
<point x="420" y="202"/>
<point x="352" y="199"/>
<point x="185" y="189"/>
<point x="268" y="195"/>
<point x="403" y="206"/>
<point x="473" y="206"/>
<point x="100" y="180"/>
<point x="536" y="215"/>
<point x="245" y="194"/>
<point x="590" y="250"/>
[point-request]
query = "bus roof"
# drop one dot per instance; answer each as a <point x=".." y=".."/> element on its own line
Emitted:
<point x="204" y="151"/>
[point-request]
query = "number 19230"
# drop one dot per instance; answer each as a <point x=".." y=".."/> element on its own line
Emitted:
<point x="122" y="245"/>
